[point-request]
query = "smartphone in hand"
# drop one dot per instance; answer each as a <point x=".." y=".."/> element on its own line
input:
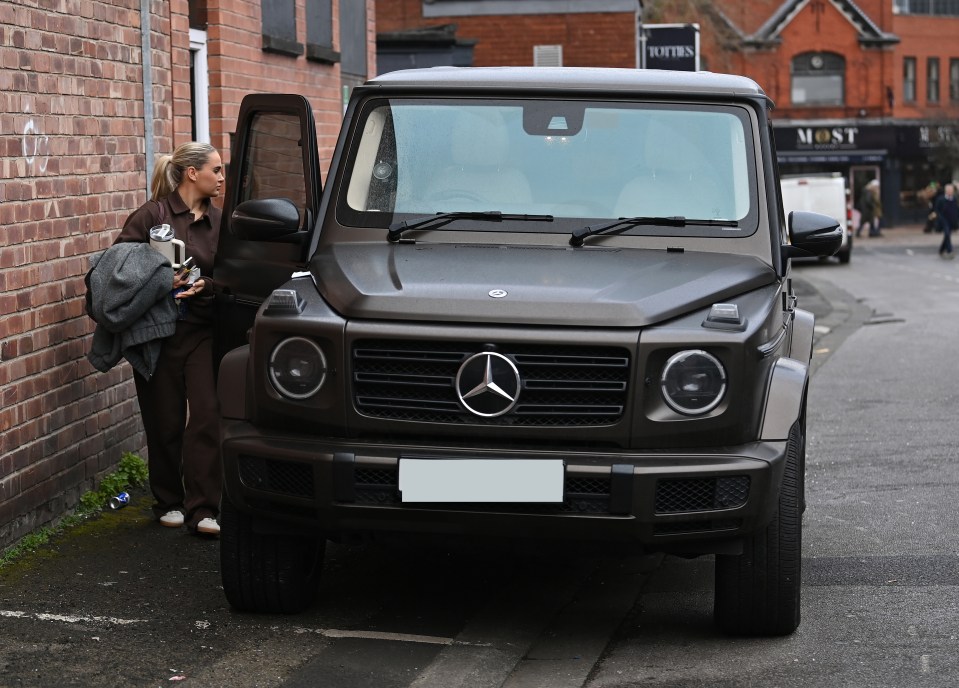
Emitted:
<point x="188" y="271"/>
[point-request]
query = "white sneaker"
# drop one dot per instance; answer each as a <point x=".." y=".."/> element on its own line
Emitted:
<point x="172" y="519"/>
<point x="208" y="526"/>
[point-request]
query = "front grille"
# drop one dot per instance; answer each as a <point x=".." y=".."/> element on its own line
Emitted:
<point x="676" y="495"/>
<point x="562" y="386"/>
<point x="379" y="486"/>
<point x="281" y="477"/>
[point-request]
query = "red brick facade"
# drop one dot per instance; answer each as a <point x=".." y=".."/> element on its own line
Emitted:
<point x="73" y="167"/>
<point x="609" y="39"/>
<point x="765" y="40"/>
<point x="602" y="39"/>
<point x="820" y="26"/>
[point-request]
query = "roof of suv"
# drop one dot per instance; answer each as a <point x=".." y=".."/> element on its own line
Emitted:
<point x="653" y="81"/>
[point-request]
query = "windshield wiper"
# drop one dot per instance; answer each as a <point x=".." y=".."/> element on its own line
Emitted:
<point x="624" y="223"/>
<point x="443" y="219"/>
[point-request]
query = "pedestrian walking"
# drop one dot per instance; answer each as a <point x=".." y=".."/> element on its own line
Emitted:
<point x="931" y="195"/>
<point x="178" y="402"/>
<point x="947" y="215"/>
<point x="870" y="209"/>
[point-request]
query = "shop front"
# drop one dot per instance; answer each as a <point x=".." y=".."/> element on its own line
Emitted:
<point x="905" y="158"/>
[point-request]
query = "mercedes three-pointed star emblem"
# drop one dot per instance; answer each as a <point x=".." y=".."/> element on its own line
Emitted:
<point x="488" y="384"/>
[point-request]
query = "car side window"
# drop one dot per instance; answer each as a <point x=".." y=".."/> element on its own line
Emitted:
<point x="273" y="166"/>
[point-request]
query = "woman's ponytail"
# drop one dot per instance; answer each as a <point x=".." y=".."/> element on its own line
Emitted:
<point x="170" y="168"/>
<point x="161" y="186"/>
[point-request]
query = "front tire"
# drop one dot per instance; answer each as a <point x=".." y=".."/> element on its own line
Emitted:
<point x="846" y="253"/>
<point x="267" y="572"/>
<point x="758" y="591"/>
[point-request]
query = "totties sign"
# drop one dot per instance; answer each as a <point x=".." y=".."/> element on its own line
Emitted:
<point x="671" y="46"/>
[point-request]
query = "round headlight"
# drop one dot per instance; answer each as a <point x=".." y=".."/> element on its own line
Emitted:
<point x="693" y="382"/>
<point x="297" y="368"/>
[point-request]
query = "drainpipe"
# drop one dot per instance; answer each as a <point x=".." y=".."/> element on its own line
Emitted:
<point x="147" y="61"/>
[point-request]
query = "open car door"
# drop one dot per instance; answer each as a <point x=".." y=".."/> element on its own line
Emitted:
<point x="269" y="213"/>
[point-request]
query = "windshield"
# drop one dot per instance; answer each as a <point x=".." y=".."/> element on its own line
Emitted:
<point x="576" y="161"/>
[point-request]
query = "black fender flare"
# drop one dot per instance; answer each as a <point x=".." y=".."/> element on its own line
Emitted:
<point x="804" y="324"/>
<point x="785" y="397"/>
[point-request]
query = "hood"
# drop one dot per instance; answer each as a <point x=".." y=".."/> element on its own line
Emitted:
<point x="585" y="287"/>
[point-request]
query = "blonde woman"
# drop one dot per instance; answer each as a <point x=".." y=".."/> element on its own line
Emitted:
<point x="184" y="459"/>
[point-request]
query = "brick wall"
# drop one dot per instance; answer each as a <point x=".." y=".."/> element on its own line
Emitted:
<point x="825" y="30"/>
<point x="396" y="15"/>
<point x="748" y="15"/>
<point x="817" y="27"/>
<point x="239" y="66"/>
<point x="588" y="40"/>
<point x="921" y="39"/>
<point x="73" y="168"/>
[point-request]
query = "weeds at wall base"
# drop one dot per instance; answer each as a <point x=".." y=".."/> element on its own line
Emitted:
<point x="131" y="472"/>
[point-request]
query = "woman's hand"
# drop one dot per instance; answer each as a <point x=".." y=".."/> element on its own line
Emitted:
<point x="180" y="281"/>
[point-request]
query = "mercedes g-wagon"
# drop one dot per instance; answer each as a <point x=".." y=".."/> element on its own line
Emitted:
<point x="527" y="302"/>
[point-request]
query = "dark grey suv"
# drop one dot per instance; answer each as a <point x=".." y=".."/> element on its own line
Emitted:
<point x="542" y="303"/>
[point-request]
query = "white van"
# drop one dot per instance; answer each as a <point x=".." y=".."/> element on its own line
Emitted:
<point x="821" y="193"/>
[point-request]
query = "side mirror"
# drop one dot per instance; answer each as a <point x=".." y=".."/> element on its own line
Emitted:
<point x="812" y="234"/>
<point x="265" y="219"/>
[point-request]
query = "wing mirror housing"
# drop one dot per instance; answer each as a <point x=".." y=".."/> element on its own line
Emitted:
<point x="265" y="219"/>
<point x="812" y="235"/>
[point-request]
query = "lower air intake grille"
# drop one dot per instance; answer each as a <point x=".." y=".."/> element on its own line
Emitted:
<point x="676" y="495"/>
<point x="561" y="386"/>
<point x="281" y="477"/>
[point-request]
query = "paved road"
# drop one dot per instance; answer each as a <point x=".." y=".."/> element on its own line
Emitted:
<point x="881" y="533"/>
<point x="122" y="602"/>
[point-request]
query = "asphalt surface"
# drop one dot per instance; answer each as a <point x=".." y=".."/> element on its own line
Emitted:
<point x="880" y="593"/>
<point x="121" y="601"/>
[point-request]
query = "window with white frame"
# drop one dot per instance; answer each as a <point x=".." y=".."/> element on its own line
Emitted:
<point x="932" y="80"/>
<point x="199" y="87"/>
<point x="909" y="79"/>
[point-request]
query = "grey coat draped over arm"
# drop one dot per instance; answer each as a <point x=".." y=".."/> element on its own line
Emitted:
<point x="131" y="292"/>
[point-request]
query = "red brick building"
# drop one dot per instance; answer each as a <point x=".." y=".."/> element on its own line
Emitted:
<point x="867" y="88"/>
<point x="870" y="89"/>
<point x="574" y="33"/>
<point x="84" y="111"/>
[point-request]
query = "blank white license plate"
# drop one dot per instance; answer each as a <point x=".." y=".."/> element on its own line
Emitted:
<point x="481" y="480"/>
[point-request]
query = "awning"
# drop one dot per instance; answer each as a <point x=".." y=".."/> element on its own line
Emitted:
<point x="830" y="156"/>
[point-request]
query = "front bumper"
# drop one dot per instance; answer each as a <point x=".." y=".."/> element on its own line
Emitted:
<point x="697" y="501"/>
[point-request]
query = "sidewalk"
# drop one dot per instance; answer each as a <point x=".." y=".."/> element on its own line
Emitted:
<point x="901" y="235"/>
